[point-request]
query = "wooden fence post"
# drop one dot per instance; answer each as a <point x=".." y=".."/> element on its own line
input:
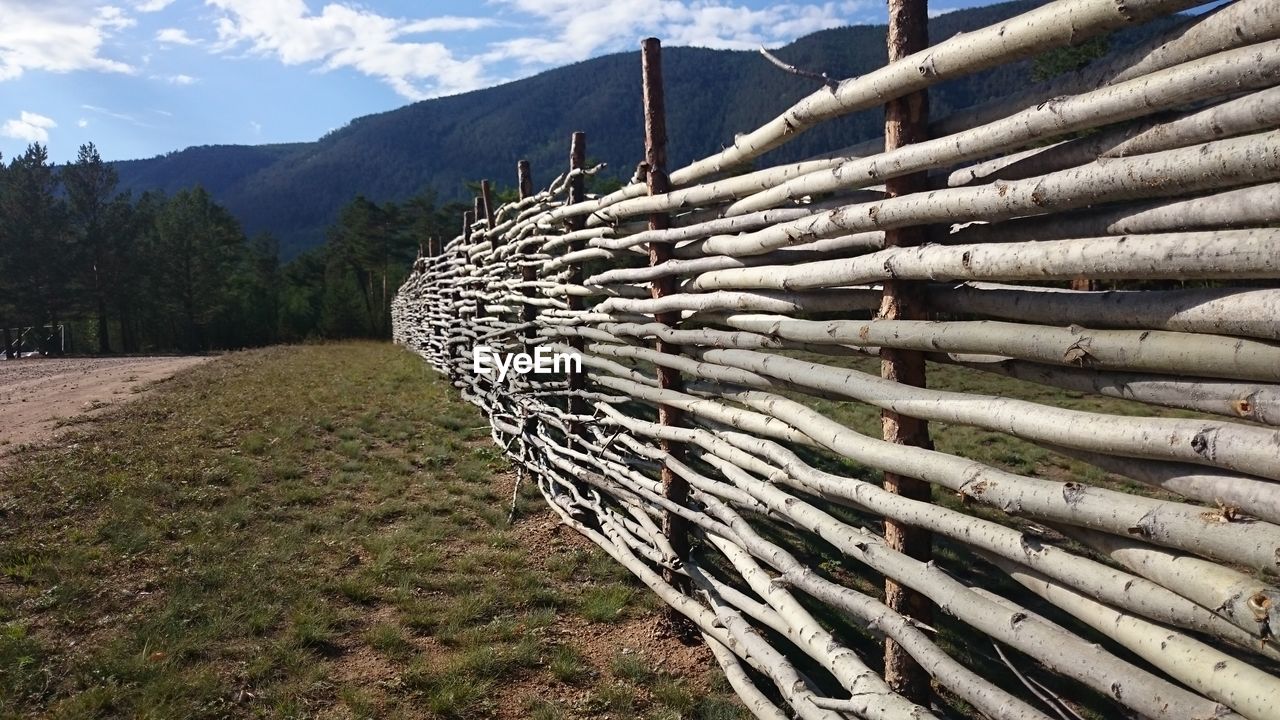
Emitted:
<point x="528" y="273"/>
<point x="524" y="179"/>
<point x="455" y="299"/>
<point x="486" y="200"/>
<point x="674" y="487"/>
<point x="577" y="193"/>
<point x="906" y="121"/>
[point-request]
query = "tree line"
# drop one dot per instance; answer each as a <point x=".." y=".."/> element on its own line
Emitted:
<point x="163" y="272"/>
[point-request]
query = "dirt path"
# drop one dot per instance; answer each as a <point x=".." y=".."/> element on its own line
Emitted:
<point x="37" y="394"/>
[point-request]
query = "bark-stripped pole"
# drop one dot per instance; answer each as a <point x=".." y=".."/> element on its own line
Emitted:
<point x="528" y="273"/>
<point x="524" y="177"/>
<point x="455" y="297"/>
<point x="674" y="487"/>
<point x="433" y="246"/>
<point x="906" y="121"/>
<point x="486" y="199"/>
<point x="577" y="193"/>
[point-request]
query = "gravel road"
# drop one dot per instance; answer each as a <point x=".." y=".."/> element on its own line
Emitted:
<point x="37" y="393"/>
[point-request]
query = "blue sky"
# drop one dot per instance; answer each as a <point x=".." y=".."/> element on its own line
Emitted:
<point x="144" y="77"/>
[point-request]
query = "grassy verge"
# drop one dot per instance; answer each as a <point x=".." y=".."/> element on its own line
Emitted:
<point x="313" y="532"/>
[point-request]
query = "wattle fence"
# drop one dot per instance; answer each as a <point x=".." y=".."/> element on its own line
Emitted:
<point x="726" y="315"/>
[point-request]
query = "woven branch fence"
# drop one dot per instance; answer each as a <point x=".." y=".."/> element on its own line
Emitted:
<point x="838" y="573"/>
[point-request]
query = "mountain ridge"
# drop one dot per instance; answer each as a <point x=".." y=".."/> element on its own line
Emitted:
<point x="295" y="190"/>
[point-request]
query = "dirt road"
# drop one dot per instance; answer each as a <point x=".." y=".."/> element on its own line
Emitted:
<point x="37" y="394"/>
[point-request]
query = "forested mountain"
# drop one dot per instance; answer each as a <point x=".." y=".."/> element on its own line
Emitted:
<point x="295" y="191"/>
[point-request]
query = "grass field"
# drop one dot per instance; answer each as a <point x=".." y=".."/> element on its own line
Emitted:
<point x="316" y="531"/>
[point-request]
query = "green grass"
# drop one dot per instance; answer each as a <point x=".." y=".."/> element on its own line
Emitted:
<point x="296" y="532"/>
<point x="606" y="603"/>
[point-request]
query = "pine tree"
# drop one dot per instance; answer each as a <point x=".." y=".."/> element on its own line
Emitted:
<point x="197" y="244"/>
<point x="90" y="186"/>
<point x="37" y="243"/>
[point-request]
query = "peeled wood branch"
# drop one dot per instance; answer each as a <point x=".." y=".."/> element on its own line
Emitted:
<point x="1228" y="254"/>
<point x="1053" y="25"/>
<point x="1220" y="164"/>
<point x="690" y="262"/>
<point x="758" y="704"/>
<point x="831" y="301"/>
<point x="1249" y="114"/>
<point x="1238" y="447"/>
<point x="1148" y="351"/>
<point x="1237" y="24"/>
<point x="790" y="683"/>
<point x="785" y="468"/>
<point x="712" y="193"/>
<point x="965" y="683"/>
<point x="1249" y="401"/>
<point x="1223" y="489"/>
<point x="1247" y="602"/>
<point x="1258" y="111"/>
<point x="1231" y="71"/>
<point x="717" y="226"/>
<point x="1061" y="650"/>
<point x="1161" y="522"/>
<point x="1235" y="311"/>
<point x="874" y="698"/>
<point x="1256" y="206"/>
<point x="1240" y="686"/>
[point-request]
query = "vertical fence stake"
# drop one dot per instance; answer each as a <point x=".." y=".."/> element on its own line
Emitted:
<point x="528" y="273"/>
<point x="455" y="300"/>
<point x="577" y="193"/>
<point x="674" y="487"/>
<point x="528" y="314"/>
<point x="524" y="179"/>
<point x="906" y="121"/>
<point x="486" y="199"/>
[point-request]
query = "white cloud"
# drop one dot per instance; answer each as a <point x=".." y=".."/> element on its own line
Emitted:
<point x="587" y="27"/>
<point x="82" y="123"/>
<point x="58" y="36"/>
<point x="110" y="17"/>
<point x="150" y="6"/>
<point x="124" y="117"/>
<point x="446" y="23"/>
<point x="175" y="36"/>
<point x="340" y="34"/>
<point x="256" y="127"/>
<point x="343" y="36"/>
<point x="29" y="127"/>
<point x="176" y="79"/>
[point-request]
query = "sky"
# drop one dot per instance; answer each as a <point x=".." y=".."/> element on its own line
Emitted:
<point x="140" y="78"/>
